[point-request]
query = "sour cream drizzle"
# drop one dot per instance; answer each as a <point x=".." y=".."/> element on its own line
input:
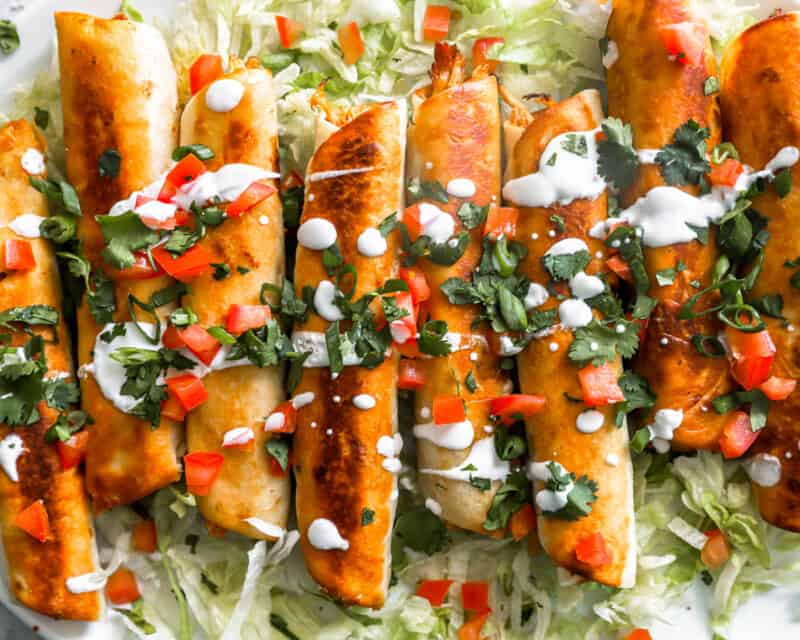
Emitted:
<point x="224" y="95"/>
<point x="27" y="225"/>
<point x="563" y="176"/>
<point x="324" y="535"/>
<point x="455" y="436"/>
<point x="11" y="448"/>
<point x="665" y="213"/>
<point x="483" y="458"/>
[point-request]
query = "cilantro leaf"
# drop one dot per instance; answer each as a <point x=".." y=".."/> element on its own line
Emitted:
<point x="278" y="448"/>
<point x="597" y="343"/>
<point x="367" y="516"/>
<point x="426" y="190"/>
<point x="576" y="144"/>
<point x="124" y="234"/>
<point x="109" y="163"/>
<point x="419" y="530"/>
<point x="684" y="161"/>
<point x="617" y="160"/>
<point x="512" y="495"/>
<point x="431" y="339"/>
<point x="565" y="266"/>
<point x="472" y="215"/>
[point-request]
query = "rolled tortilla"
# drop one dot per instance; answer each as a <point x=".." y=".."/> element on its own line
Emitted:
<point x="760" y="110"/>
<point x="119" y="91"/>
<point x="239" y="396"/>
<point x="338" y="467"/>
<point x="38" y="571"/>
<point x="456" y="135"/>
<point x="656" y="95"/>
<point x="546" y="369"/>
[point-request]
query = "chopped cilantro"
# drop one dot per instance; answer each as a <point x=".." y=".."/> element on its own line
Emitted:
<point x="426" y="190"/>
<point x="512" y="495"/>
<point x="565" y="266"/>
<point x="124" y="234"/>
<point x="472" y="215"/>
<point x="367" y="516"/>
<point x="278" y="448"/>
<point x="684" y="160"/>
<point x="109" y="163"/>
<point x="41" y="117"/>
<point x="576" y="144"/>
<point x="617" y="160"/>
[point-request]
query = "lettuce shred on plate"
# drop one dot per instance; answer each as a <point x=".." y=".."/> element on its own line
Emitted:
<point x="197" y="585"/>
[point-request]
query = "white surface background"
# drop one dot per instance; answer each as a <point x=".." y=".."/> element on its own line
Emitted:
<point x="775" y="616"/>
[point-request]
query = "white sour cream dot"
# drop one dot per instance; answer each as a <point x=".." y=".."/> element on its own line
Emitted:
<point x="316" y="234"/>
<point x="323" y="535"/>
<point x="224" y="95"/>
<point x="364" y="401"/>
<point x="461" y="188"/>
<point x="324" y="301"/>
<point x="589" y="421"/>
<point x="371" y="243"/>
<point x="32" y="161"/>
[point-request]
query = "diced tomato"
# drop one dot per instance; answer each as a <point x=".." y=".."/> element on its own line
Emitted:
<point x="19" y="255"/>
<point x="600" y="385"/>
<point x="620" y="267"/>
<point x="480" y="50"/>
<point x="121" y="587"/>
<point x="475" y="596"/>
<point x="34" y="521"/>
<point x="287" y="424"/>
<point x="204" y="71"/>
<point x="294" y="179"/>
<point x="243" y="317"/>
<point x="171" y="409"/>
<point x="351" y="42"/>
<point x="417" y="284"/>
<point x="188" y="389"/>
<point x="471" y="630"/>
<point x="141" y="269"/>
<point x="448" y="409"/>
<point x="405" y="328"/>
<point x="778" y="388"/>
<point x="752" y="353"/>
<point x="275" y="468"/>
<point x="411" y="219"/>
<point x="412" y="375"/>
<point x="200" y="342"/>
<point x="725" y="174"/>
<point x="255" y="193"/>
<point x="684" y="41"/>
<point x="185" y="171"/>
<point x="592" y="550"/>
<point x="186" y="267"/>
<point x="171" y="338"/>
<point x="516" y="406"/>
<point x="716" y="551"/>
<point x="501" y="221"/>
<point x="73" y="451"/>
<point x="522" y="522"/>
<point x="144" y="537"/>
<point x="639" y="634"/>
<point x="201" y="469"/>
<point x="737" y="435"/>
<point x="436" y="23"/>
<point x="288" y="30"/>
<point x="434" y="591"/>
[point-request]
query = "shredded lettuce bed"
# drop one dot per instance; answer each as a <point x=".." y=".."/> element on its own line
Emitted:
<point x="198" y="586"/>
